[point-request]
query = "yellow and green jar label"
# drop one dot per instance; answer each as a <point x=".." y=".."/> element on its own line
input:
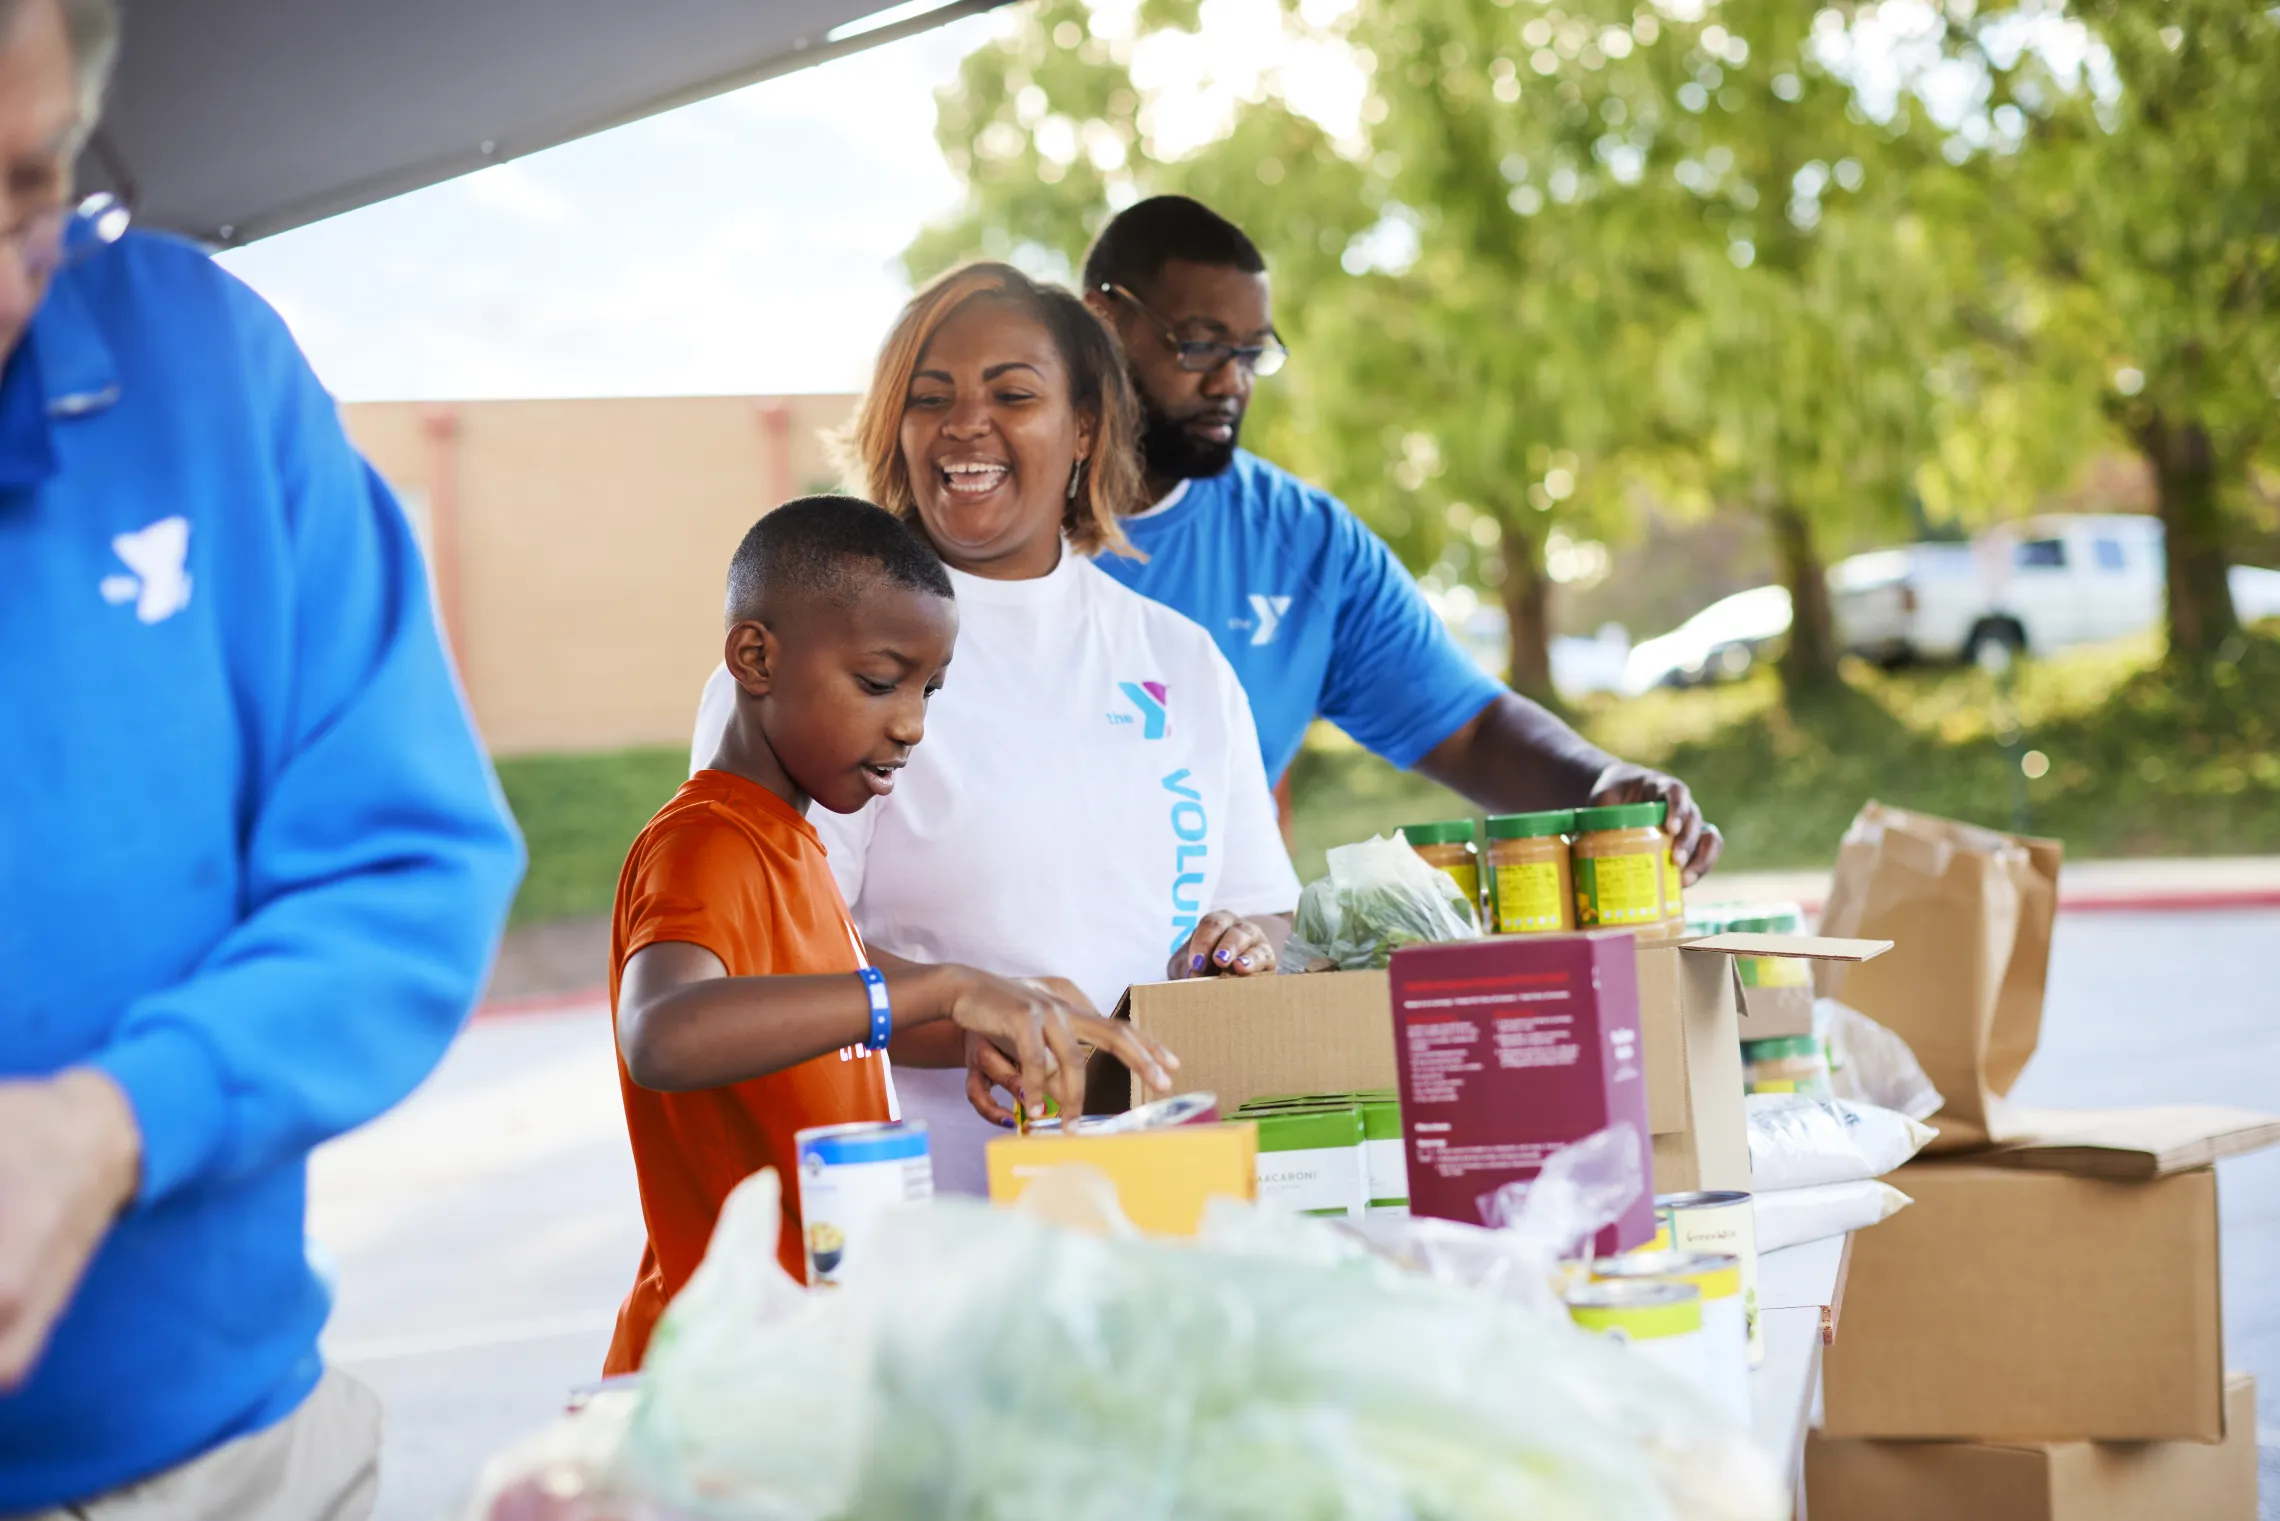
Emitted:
<point x="1613" y="891"/>
<point x="1528" y="898"/>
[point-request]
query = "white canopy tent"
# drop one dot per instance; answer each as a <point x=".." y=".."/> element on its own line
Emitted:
<point x="230" y="120"/>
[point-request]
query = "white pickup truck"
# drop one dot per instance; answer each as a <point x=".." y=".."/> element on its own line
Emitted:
<point x="2037" y="585"/>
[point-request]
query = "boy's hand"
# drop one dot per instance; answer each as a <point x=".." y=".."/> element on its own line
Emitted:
<point x="1039" y="1036"/>
<point x="1224" y="946"/>
<point x="988" y="1069"/>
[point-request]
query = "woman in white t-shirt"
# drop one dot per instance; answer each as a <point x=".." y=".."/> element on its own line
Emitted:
<point x="1089" y="801"/>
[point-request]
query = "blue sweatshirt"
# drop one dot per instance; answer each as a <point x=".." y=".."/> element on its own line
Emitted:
<point x="253" y="863"/>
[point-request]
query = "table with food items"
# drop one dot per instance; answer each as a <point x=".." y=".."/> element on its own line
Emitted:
<point x="1528" y="1191"/>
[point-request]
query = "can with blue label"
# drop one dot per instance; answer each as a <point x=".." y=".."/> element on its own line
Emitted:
<point x="850" y="1176"/>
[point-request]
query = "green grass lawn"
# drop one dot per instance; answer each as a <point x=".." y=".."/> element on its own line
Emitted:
<point x="579" y="813"/>
<point x="2139" y="762"/>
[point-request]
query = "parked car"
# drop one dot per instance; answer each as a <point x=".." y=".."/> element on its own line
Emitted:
<point x="2038" y="586"/>
<point x="2255" y="593"/>
<point x="1724" y="640"/>
<point x="1580" y="666"/>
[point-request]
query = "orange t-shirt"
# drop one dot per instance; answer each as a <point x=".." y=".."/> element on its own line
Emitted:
<point x="732" y="867"/>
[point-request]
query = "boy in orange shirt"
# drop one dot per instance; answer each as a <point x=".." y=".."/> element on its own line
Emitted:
<point x="745" y="1006"/>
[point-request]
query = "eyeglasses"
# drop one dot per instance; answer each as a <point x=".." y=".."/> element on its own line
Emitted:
<point x="1200" y="356"/>
<point x="55" y="239"/>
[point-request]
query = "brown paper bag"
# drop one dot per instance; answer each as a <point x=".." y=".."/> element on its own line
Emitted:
<point x="1969" y="913"/>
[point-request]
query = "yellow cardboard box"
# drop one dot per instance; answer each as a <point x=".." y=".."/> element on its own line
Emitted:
<point x="1162" y="1177"/>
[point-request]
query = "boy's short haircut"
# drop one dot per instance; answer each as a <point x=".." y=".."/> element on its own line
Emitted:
<point x="1141" y="239"/>
<point x="826" y="546"/>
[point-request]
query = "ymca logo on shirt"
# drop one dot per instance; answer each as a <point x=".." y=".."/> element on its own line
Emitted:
<point x="159" y="557"/>
<point x="1148" y="699"/>
<point x="1267" y="623"/>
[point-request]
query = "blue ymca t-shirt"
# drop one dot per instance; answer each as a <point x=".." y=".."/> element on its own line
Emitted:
<point x="1312" y="610"/>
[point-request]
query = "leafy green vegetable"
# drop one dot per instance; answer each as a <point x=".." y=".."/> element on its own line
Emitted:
<point x="1378" y="897"/>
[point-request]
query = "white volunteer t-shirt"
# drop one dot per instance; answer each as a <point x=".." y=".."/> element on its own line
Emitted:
<point x="1089" y="786"/>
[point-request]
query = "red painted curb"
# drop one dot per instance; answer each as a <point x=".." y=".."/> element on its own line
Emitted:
<point x="2146" y="903"/>
<point x="2180" y="903"/>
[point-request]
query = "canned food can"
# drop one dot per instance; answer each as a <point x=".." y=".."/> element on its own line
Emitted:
<point x="850" y="1175"/>
<point x="1725" y="1325"/>
<point x="1662" y="1322"/>
<point x="1724" y="1223"/>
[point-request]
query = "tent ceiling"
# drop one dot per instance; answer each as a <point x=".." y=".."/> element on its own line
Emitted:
<point x="234" y="119"/>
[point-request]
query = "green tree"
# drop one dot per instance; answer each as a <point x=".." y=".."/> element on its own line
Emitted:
<point x="1581" y="247"/>
<point x="1421" y="391"/>
<point x="2138" y="252"/>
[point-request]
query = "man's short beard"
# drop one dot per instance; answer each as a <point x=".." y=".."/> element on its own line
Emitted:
<point x="1170" y="453"/>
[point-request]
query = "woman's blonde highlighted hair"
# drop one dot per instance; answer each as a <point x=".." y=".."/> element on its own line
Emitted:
<point x="1110" y="486"/>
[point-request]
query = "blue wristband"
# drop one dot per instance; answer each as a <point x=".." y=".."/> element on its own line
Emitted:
<point x="882" y="1014"/>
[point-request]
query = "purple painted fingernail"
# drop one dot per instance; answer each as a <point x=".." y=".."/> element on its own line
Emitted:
<point x="1242" y="961"/>
<point x="1222" y="958"/>
<point x="1003" y="1124"/>
<point x="1198" y="965"/>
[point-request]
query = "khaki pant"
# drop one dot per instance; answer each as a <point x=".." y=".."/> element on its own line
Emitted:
<point x="321" y="1463"/>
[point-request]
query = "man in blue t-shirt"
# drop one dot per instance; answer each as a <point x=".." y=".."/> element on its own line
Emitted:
<point x="1312" y="609"/>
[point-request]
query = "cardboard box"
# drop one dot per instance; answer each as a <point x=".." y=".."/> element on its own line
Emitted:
<point x="2015" y="1302"/>
<point x="1509" y="1049"/>
<point x="1162" y="1177"/>
<point x="1690" y="1015"/>
<point x="1859" y="1479"/>
<point x="1244" y="1038"/>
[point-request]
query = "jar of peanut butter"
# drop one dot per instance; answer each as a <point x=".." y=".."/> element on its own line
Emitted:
<point x="1531" y="891"/>
<point x="1450" y="846"/>
<point x="1622" y="867"/>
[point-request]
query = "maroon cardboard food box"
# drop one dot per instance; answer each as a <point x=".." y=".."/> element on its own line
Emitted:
<point x="1510" y="1049"/>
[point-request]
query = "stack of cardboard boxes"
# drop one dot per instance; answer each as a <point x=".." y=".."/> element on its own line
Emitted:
<point x="2040" y="1337"/>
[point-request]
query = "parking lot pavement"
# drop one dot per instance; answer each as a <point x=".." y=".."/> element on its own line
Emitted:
<point x="484" y="1233"/>
<point x="2184" y="1008"/>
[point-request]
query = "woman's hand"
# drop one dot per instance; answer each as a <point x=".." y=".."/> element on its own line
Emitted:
<point x="1224" y="945"/>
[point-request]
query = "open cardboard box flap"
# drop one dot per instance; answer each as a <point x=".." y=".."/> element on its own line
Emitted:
<point x="1694" y="1012"/>
<point x="1776" y="1006"/>
<point x="2128" y="1144"/>
<point x="1799" y="947"/>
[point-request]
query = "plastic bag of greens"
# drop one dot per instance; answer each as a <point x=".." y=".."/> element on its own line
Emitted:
<point x="1378" y="896"/>
<point x="986" y="1364"/>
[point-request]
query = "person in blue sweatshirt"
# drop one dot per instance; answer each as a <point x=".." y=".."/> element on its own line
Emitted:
<point x="253" y="863"/>
<point x="1310" y="607"/>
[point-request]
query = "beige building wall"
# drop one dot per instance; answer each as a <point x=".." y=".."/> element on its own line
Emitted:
<point x="580" y="548"/>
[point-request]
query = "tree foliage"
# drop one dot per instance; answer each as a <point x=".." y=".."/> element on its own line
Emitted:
<point x="1577" y="253"/>
<point x="2132" y="171"/>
